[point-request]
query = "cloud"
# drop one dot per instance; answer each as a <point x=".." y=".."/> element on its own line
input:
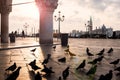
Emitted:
<point x="99" y="5"/>
<point x="106" y="8"/>
<point x="76" y="12"/>
<point x="60" y="3"/>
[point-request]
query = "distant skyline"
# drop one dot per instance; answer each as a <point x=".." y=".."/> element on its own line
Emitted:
<point x="76" y="12"/>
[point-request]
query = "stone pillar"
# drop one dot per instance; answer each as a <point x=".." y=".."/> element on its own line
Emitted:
<point x="46" y="8"/>
<point x="5" y="9"/>
<point x="4" y="28"/>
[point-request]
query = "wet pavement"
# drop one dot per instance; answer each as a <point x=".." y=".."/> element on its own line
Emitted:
<point x="20" y="53"/>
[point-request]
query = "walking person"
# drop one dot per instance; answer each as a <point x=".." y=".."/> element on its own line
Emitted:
<point x="23" y="34"/>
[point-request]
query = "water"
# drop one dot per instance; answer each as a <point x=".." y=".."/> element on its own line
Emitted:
<point x="106" y="43"/>
<point x="79" y="46"/>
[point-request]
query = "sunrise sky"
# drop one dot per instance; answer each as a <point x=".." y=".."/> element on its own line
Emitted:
<point x="76" y="12"/>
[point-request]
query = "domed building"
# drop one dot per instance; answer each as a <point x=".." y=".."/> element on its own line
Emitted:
<point x="106" y="32"/>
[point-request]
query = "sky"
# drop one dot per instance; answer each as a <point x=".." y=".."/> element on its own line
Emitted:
<point x="76" y="12"/>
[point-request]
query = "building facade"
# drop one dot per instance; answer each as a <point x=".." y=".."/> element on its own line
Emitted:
<point x="103" y="31"/>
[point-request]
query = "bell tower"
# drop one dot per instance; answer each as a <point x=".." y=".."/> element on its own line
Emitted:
<point x="90" y="26"/>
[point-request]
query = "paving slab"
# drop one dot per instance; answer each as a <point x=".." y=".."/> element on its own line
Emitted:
<point x="21" y="54"/>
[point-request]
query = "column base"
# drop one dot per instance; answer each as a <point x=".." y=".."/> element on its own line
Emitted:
<point x="4" y="40"/>
<point x="50" y="42"/>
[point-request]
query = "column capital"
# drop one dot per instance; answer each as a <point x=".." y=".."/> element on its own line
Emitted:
<point x="47" y="5"/>
<point x="5" y="6"/>
<point x="5" y="9"/>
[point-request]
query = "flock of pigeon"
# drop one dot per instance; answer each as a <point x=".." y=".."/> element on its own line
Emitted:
<point x="13" y="71"/>
<point x="94" y="63"/>
<point x="65" y="73"/>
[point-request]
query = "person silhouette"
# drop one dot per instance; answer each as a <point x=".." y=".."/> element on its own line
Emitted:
<point x="23" y="34"/>
<point x="12" y="37"/>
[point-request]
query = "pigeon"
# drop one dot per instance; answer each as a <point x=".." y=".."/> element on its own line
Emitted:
<point x="117" y="69"/>
<point x="68" y="46"/>
<point x="14" y="75"/>
<point x="87" y="50"/>
<point x="59" y="78"/>
<point x="38" y="76"/>
<point x="99" y="59"/>
<point x="35" y="67"/>
<point x="109" y="75"/>
<point x="93" y="62"/>
<point x="110" y="51"/>
<point x="102" y="77"/>
<point x="82" y="65"/>
<point x="47" y="70"/>
<point x="11" y="68"/>
<point x="33" y="50"/>
<point x="54" y="47"/>
<point x="65" y="73"/>
<point x="48" y="56"/>
<point x="117" y="74"/>
<point x="33" y="62"/>
<point x="115" y="62"/>
<point x="63" y="60"/>
<point x="45" y="61"/>
<point x="71" y="54"/>
<point x="89" y="54"/>
<point x="66" y="50"/>
<point x="101" y="52"/>
<point x="92" y="70"/>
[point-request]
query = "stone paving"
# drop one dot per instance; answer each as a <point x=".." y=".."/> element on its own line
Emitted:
<point x="22" y="56"/>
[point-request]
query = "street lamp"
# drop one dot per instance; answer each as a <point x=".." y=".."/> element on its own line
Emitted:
<point x="26" y="26"/>
<point x="86" y="27"/>
<point x="59" y="19"/>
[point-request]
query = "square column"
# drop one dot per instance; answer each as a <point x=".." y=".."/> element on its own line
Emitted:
<point x="5" y="9"/>
<point x="46" y="27"/>
<point x="46" y="8"/>
<point x="4" y="28"/>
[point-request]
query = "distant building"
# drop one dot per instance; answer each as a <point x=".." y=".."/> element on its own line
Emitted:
<point x="108" y="32"/>
<point x="89" y="26"/>
<point x="99" y="32"/>
<point x="116" y="34"/>
<point x="75" y="33"/>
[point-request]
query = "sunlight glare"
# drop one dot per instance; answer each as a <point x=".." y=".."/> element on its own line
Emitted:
<point x="31" y="11"/>
<point x="27" y="10"/>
